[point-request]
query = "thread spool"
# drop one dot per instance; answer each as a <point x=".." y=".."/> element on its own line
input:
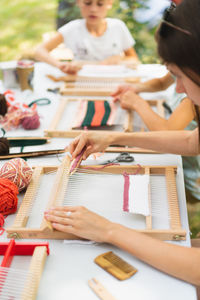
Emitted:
<point x="3" y="105"/>
<point x="17" y="171"/>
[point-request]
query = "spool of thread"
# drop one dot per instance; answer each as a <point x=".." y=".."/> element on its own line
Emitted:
<point x="8" y="197"/>
<point x="3" y="105"/>
<point x="31" y="122"/>
<point x="4" y="146"/>
<point x="17" y="171"/>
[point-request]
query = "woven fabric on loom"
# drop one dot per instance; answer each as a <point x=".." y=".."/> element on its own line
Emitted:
<point x="95" y="114"/>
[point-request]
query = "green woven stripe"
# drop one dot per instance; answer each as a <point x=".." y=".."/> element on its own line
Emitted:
<point x="23" y="142"/>
<point x="107" y="113"/>
<point x="89" y="115"/>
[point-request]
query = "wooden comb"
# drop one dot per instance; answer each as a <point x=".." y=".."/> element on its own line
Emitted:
<point x="115" y="265"/>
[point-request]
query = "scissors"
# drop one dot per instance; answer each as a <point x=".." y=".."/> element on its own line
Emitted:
<point x="122" y="157"/>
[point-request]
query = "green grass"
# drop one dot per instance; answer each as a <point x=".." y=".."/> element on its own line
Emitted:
<point x="22" y="25"/>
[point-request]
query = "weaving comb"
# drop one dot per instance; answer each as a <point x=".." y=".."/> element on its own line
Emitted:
<point x="115" y="265"/>
<point x="38" y="251"/>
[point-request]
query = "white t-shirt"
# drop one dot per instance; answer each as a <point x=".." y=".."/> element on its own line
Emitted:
<point x="85" y="46"/>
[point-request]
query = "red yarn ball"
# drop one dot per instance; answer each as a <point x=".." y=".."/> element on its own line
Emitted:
<point x="18" y="171"/>
<point x="8" y="197"/>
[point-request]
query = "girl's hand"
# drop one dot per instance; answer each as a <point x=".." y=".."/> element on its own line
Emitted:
<point x="130" y="100"/>
<point x="69" y="67"/>
<point x="94" y="142"/>
<point x="121" y="90"/>
<point x="79" y="221"/>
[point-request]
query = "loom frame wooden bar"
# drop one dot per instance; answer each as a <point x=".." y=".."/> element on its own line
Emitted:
<point x="34" y="273"/>
<point x="52" y="131"/>
<point x="45" y="231"/>
<point x="71" y="88"/>
<point x="78" y="78"/>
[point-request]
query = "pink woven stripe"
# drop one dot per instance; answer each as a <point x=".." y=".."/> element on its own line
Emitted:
<point x="112" y="116"/>
<point x="80" y="114"/>
<point x="126" y="192"/>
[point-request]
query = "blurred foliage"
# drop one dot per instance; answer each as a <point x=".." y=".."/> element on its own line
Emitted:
<point x="22" y="25"/>
<point x="194" y="217"/>
<point x="145" y="42"/>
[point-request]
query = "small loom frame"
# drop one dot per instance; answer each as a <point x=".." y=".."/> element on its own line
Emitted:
<point x="38" y="251"/>
<point x="52" y="131"/>
<point x="79" y="78"/>
<point x="45" y="230"/>
<point x="72" y="89"/>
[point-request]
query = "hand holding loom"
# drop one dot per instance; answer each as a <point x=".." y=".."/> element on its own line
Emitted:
<point x="81" y="222"/>
<point x="130" y="100"/>
<point x="122" y="89"/>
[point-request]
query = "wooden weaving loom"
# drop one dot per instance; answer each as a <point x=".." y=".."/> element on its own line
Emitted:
<point x="61" y="185"/>
<point x="128" y="126"/>
<point x="93" y="86"/>
<point x="17" y="283"/>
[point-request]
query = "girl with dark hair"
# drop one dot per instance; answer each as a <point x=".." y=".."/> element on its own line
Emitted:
<point x="179" y="46"/>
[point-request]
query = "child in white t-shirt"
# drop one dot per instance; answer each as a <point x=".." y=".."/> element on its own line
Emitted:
<point x="93" y="38"/>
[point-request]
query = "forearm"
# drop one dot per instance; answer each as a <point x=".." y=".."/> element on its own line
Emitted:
<point x="177" y="261"/>
<point x="153" y="85"/>
<point x="151" y="119"/>
<point x="43" y="55"/>
<point x="177" y="142"/>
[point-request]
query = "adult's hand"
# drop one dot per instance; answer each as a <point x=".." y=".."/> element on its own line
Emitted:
<point x="79" y="221"/>
<point x="93" y="142"/>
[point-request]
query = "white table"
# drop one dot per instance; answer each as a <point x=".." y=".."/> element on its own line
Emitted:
<point x="70" y="266"/>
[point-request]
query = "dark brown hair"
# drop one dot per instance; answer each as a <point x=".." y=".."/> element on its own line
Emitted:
<point x="179" y="47"/>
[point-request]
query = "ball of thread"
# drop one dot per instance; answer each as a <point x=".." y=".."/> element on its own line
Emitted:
<point x="8" y="197"/>
<point x="4" y="146"/>
<point x="31" y="122"/>
<point x="3" y="105"/>
<point x="17" y="171"/>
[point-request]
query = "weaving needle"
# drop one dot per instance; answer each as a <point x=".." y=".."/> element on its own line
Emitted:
<point x="76" y="162"/>
<point x="100" y="290"/>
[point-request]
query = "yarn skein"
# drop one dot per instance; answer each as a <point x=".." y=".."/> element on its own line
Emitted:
<point x="31" y="122"/>
<point x="4" y="146"/>
<point x="3" y="105"/>
<point x="8" y="197"/>
<point x="17" y="171"/>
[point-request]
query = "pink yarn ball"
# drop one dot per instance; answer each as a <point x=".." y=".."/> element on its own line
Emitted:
<point x="31" y="122"/>
<point x="17" y="171"/>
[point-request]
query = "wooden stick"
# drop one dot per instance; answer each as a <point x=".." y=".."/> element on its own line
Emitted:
<point x="32" y="154"/>
<point x="100" y="290"/>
